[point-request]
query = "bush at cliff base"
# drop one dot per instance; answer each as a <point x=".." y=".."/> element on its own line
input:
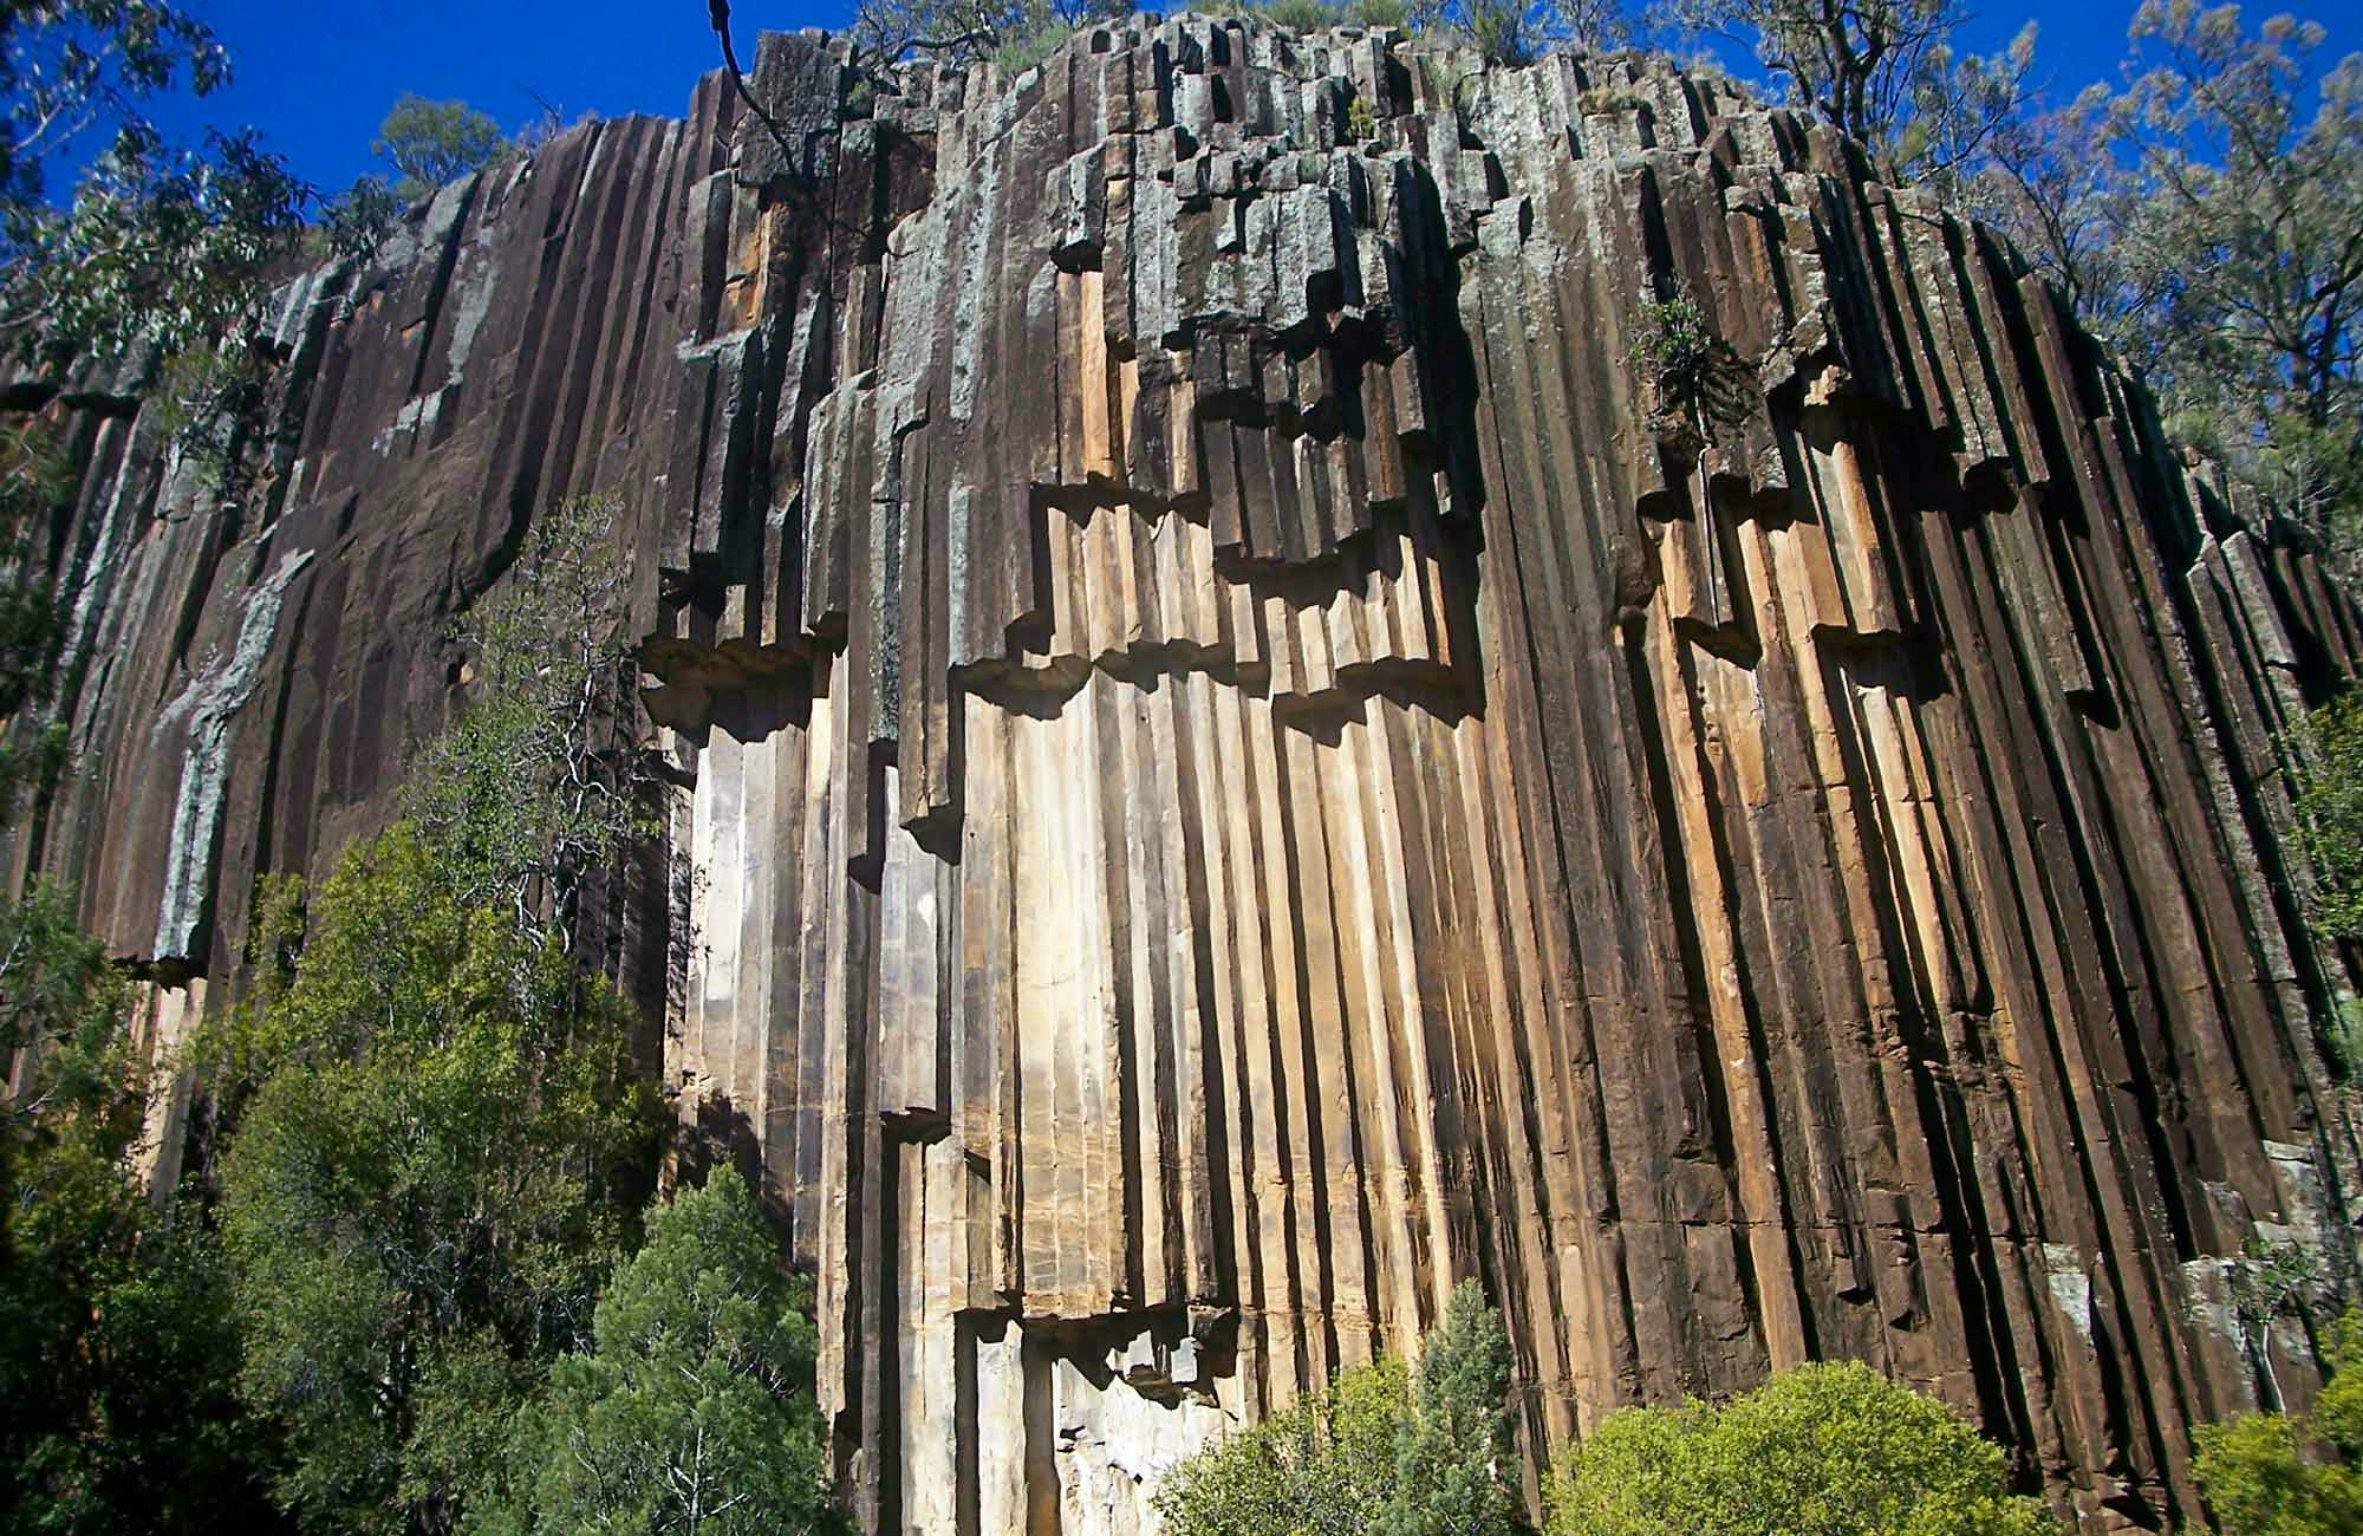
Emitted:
<point x="1381" y="1451"/>
<point x="426" y="1189"/>
<point x="694" y="1410"/>
<point x="2271" y="1474"/>
<point x="1823" y="1450"/>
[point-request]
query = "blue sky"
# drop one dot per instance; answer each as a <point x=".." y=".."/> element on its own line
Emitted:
<point x="316" y="75"/>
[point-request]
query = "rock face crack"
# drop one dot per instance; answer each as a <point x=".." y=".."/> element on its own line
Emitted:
<point x="1238" y="756"/>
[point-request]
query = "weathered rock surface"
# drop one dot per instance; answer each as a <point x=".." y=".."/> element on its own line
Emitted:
<point x="1248" y="764"/>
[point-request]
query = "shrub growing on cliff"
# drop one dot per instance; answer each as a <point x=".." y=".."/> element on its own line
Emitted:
<point x="2330" y="815"/>
<point x="538" y="781"/>
<point x="2270" y="1474"/>
<point x="1382" y="1450"/>
<point x="1835" y="1450"/>
<point x="694" y="1411"/>
<point x="355" y="221"/>
<point x="1672" y="345"/>
<point x="33" y="613"/>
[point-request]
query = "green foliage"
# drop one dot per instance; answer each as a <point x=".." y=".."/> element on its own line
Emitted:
<point x="1310" y="16"/>
<point x="2269" y="1474"/>
<point x="425" y="1190"/>
<point x="1380" y="1451"/>
<point x="158" y="243"/>
<point x="1505" y="32"/>
<point x="164" y="248"/>
<point x="1033" y="39"/>
<point x="694" y="1412"/>
<point x="211" y="399"/>
<point x="2330" y="814"/>
<point x="1325" y="1465"/>
<point x="1453" y="1454"/>
<point x="61" y="1007"/>
<point x="2201" y="217"/>
<point x="429" y="143"/>
<point x="356" y="220"/>
<point x="538" y="782"/>
<point x="1450" y="76"/>
<point x="1672" y="345"/>
<point x="1815" y="1452"/>
<point x="1822" y="1450"/>
<point x="72" y="70"/>
<point x="1322" y="1466"/>
<point x="2275" y="1279"/>
<point x="35" y="479"/>
<point x="1960" y="105"/>
<point x="2237" y="213"/>
<point x="116" y="1360"/>
<point x="2051" y="182"/>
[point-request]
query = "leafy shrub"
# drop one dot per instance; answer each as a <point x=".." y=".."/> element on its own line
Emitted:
<point x="2270" y="1474"/>
<point x="2330" y="812"/>
<point x="1326" y="1464"/>
<point x="1504" y="31"/>
<point x="356" y="220"/>
<point x="1831" y="1449"/>
<point x="158" y="244"/>
<point x="536" y="784"/>
<point x="1672" y="347"/>
<point x="117" y="1357"/>
<point x="1380" y="1451"/>
<point x="1024" y="49"/>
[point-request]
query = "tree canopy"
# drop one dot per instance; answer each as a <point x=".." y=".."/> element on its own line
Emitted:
<point x="1822" y="1450"/>
<point x="158" y="244"/>
<point x="693" y="1412"/>
<point x="429" y="143"/>
<point x="425" y="1191"/>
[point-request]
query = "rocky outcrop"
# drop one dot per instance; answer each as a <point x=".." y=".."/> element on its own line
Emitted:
<point x="1260" y="736"/>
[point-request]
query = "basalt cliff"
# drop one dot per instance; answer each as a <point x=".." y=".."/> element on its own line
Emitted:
<point x="1260" y="723"/>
